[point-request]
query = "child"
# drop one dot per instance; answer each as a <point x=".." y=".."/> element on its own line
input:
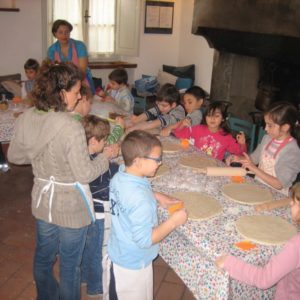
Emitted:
<point x="283" y="269"/>
<point x="213" y="137"/>
<point x="278" y="153"/>
<point x="83" y="108"/>
<point x="166" y="112"/>
<point x="193" y="99"/>
<point x="97" y="131"/>
<point x="119" y="92"/>
<point x="31" y="68"/>
<point x="135" y="233"/>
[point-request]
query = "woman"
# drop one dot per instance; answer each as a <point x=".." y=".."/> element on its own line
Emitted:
<point x="67" y="49"/>
<point x="48" y="138"/>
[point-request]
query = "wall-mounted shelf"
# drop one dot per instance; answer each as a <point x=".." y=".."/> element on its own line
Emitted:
<point x="10" y="9"/>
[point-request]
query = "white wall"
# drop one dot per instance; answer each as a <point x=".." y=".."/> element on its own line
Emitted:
<point x="21" y="38"/>
<point x="194" y="49"/>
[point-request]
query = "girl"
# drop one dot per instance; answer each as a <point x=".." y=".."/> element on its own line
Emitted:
<point x="193" y="99"/>
<point x="278" y="153"/>
<point x="213" y="137"/>
<point x="283" y="269"/>
<point x="47" y="137"/>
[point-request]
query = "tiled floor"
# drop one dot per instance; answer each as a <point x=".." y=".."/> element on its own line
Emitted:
<point x="17" y="234"/>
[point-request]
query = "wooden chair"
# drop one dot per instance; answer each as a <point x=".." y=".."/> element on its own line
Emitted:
<point x="139" y="105"/>
<point x="237" y="125"/>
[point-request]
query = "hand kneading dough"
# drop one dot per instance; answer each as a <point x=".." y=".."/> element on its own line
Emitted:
<point x="199" y="206"/>
<point x="196" y="162"/>
<point x="266" y="230"/>
<point x="169" y="147"/>
<point x="246" y="193"/>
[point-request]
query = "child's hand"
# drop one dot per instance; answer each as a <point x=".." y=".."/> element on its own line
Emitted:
<point x="231" y="158"/>
<point x="247" y="163"/>
<point x="220" y="261"/>
<point x="101" y="94"/>
<point x="111" y="151"/>
<point x="241" y="138"/>
<point x="179" y="217"/>
<point x="165" y="200"/>
<point x="120" y="121"/>
<point x="134" y="119"/>
<point x="185" y="123"/>
<point x="165" y="131"/>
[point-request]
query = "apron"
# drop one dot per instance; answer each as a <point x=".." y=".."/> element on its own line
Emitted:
<point x="83" y="189"/>
<point x="75" y="61"/>
<point x="267" y="162"/>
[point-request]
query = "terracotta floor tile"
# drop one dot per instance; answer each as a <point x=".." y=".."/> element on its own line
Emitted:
<point x="12" y="288"/>
<point x="170" y="291"/>
<point x="188" y="295"/>
<point x="159" y="274"/>
<point x="7" y="269"/>
<point x="173" y="277"/>
<point x="29" y="293"/>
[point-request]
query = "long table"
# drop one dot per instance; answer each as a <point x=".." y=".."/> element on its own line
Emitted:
<point x="191" y="249"/>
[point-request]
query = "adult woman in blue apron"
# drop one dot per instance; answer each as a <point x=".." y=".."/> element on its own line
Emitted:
<point x="47" y="137"/>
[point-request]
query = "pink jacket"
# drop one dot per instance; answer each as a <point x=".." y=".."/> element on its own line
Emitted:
<point x="283" y="269"/>
<point x="214" y="144"/>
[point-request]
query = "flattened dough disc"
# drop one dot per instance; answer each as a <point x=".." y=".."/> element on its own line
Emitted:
<point x="163" y="169"/>
<point x="266" y="230"/>
<point x="200" y="206"/>
<point x="246" y="193"/>
<point x="169" y="147"/>
<point x="196" y="162"/>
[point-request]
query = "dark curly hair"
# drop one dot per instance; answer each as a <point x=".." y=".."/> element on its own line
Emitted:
<point x="52" y="79"/>
<point x="58" y="23"/>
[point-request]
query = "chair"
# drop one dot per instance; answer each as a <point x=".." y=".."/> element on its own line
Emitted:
<point x="139" y="105"/>
<point x="260" y="134"/>
<point x="237" y="125"/>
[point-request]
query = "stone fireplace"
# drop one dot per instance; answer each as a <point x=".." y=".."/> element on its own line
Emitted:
<point x="257" y="51"/>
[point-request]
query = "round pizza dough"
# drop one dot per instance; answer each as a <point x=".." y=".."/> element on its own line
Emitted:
<point x="200" y="206"/>
<point x="196" y="162"/>
<point x="246" y="193"/>
<point x="163" y="169"/>
<point x="169" y="147"/>
<point x="266" y="230"/>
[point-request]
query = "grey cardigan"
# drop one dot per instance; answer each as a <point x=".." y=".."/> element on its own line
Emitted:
<point x="55" y="145"/>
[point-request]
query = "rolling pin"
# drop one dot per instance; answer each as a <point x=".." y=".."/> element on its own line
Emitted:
<point x="224" y="171"/>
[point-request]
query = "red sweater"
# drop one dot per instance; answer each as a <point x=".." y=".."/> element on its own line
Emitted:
<point x="215" y="144"/>
<point x="282" y="269"/>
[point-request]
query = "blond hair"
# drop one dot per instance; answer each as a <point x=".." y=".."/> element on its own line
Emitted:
<point x="95" y="127"/>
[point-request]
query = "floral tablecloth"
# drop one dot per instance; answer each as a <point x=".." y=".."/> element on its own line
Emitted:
<point x="7" y="121"/>
<point x="191" y="250"/>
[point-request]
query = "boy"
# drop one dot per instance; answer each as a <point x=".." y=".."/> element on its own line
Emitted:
<point x="135" y="233"/>
<point x="166" y="112"/>
<point x="83" y="108"/>
<point x="119" y="92"/>
<point x="193" y="99"/>
<point x="31" y="68"/>
<point x="97" y="131"/>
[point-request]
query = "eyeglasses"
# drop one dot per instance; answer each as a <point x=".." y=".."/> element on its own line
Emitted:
<point x="156" y="159"/>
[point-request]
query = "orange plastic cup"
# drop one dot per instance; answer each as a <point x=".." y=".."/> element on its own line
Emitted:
<point x="238" y="179"/>
<point x="185" y="144"/>
<point x="175" y="207"/>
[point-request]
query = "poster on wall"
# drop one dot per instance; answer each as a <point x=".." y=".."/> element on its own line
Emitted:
<point x="159" y="17"/>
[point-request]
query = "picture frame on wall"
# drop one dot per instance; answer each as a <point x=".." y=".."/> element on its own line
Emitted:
<point x="159" y="17"/>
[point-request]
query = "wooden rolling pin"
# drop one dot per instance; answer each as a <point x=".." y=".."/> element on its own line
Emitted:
<point x="224" y="171"/>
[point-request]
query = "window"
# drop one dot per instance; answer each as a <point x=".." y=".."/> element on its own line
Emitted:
<point x="107" y="27"/>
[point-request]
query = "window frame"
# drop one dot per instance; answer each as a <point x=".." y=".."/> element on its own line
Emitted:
<point x="125" y="9"/>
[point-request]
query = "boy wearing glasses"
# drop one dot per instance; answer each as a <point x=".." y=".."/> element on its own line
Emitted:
<point x="97" y="133"/>
<point x="135" y="232"/>
<point x="167" y="111"/>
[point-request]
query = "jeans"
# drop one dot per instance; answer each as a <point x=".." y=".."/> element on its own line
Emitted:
<point x="91" y="267"/>
<point x="68" y="243"/>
